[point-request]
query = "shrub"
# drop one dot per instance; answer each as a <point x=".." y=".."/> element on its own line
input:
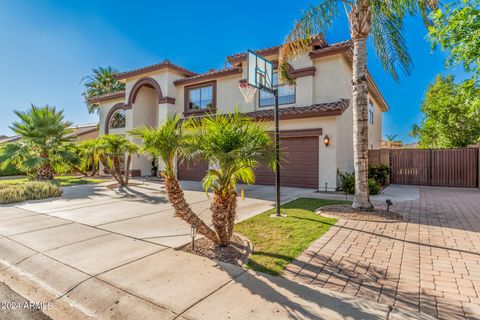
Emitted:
<point x="347" y="182"/>
<point x="373" y="187"/>
<point x="34" y="190"/>
<point x="379" y="173"/>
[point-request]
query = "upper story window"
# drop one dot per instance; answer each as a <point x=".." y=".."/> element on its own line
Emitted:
<point x="200" y="97"/>
<point x="370" y="112"/>
<point x="286" y="94"/>
<point x="118" y="120"/>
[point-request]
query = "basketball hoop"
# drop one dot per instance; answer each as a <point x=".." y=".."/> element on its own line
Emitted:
<point x="247" y="90"/>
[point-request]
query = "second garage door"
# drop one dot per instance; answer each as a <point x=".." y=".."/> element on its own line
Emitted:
<point x="188" y="170"/>
<point x="299" y="165"/>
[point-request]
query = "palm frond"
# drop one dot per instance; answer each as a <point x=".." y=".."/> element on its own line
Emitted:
<point x="388" y="38"/>
<point x="102" y="81"/>
<point x="315" y="20"/>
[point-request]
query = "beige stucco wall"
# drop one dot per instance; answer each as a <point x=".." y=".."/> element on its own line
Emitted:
<point x="375" y="130"/>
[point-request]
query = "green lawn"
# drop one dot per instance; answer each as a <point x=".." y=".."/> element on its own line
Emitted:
<point x="277" y="241"/>
<point x="62" y="181"/>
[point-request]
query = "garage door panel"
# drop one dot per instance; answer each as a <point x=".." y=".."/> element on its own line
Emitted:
<point x="191" y="170"/>
<point x="299" y="166"/>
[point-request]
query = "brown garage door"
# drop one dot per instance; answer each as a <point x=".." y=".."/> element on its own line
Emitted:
<point x="191" y="170"/>
<point x="299" y="165"/>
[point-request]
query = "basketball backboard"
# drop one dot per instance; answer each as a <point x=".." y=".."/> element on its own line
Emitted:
<point x="259" y="72"/>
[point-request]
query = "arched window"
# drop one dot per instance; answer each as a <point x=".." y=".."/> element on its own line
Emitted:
<point x="118" y="120"/>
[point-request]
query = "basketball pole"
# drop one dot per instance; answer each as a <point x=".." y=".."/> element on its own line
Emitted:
<point x="277" y="155"/>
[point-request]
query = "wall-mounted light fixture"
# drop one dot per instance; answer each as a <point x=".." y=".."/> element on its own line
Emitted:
<point x="326" y="140"/>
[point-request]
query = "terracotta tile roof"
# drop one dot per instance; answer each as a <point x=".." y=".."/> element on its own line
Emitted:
<point x="209" y="75"/>
<point x="166" y="64"/>
<point x="238" y="57"/>
<point x="327" y="109"/>
<point x="333" y="48"/>
<point x="106" y="97"/>
<point x="315" y="110"/>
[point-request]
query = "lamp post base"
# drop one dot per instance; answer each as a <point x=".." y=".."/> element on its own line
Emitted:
<point x="283" y="215"/>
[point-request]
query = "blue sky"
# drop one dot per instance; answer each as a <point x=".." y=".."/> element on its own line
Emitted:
<point x="48" y="46"/>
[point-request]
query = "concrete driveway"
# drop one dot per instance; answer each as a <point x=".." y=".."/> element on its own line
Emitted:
<point x="96" y="253"/>
<point x="141" y="211"/>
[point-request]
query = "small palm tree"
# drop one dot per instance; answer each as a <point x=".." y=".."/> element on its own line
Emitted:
<point x="88" y="157"/>
<point x="383" y="21"/>
<point x="43" y="145"/>
<point x="112" y="150"/>
<point x="102" y="81"/>
<point x="233" y="145"/>
<point x="166" y="143"/>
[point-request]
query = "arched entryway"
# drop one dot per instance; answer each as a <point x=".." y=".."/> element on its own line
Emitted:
<point x="144" y="99"/>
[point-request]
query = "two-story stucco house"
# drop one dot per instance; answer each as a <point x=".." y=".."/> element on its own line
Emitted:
<point x="319" y="105"/>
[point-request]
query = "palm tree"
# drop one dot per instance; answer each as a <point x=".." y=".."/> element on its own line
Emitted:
<point x="43" y="145"/>
<point x="391" y="139"/>
<point x="112" y="149"/>
<point x="383" y="21"/>
<point x="233" y="145"/>
<point x="167" y="143"/>
<point x="87" y="157"/>
<point x="102" y="81"/>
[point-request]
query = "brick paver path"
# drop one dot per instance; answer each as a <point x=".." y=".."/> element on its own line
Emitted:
<point x="429" y="264"/>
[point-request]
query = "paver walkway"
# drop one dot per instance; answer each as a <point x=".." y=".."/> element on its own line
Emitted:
<point x="430" y="264"/>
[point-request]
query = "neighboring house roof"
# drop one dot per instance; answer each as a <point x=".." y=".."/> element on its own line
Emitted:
<point x="10" y="139"/>
<point x="166" y="64"/>
<point x="315" y="110"/>
<point x="78" y="130"/>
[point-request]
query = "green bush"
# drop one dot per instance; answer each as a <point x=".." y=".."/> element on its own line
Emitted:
<point x="379" y="173"/>
<point x="35" y="190"/>
<point x="373" y="187"/>
<point x="347" y="184"/>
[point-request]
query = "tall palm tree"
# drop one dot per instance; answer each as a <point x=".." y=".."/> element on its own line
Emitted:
<point x="43" y="145"/>
<point x="112" y="149"/>
<point x="233" y="145"/>
<point x="166" y="143"/>
<point x="383" y="21"/>
<point x="102" y="81"/>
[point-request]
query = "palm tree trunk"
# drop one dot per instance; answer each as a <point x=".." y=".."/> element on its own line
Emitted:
<point x="359" y="18"/>
<point x="127" y="169"/>
<point x="45" y="172"/>
<point x="118" y="171"/>
<point x="223" y="214"/>
<point x="182" y="208"/>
